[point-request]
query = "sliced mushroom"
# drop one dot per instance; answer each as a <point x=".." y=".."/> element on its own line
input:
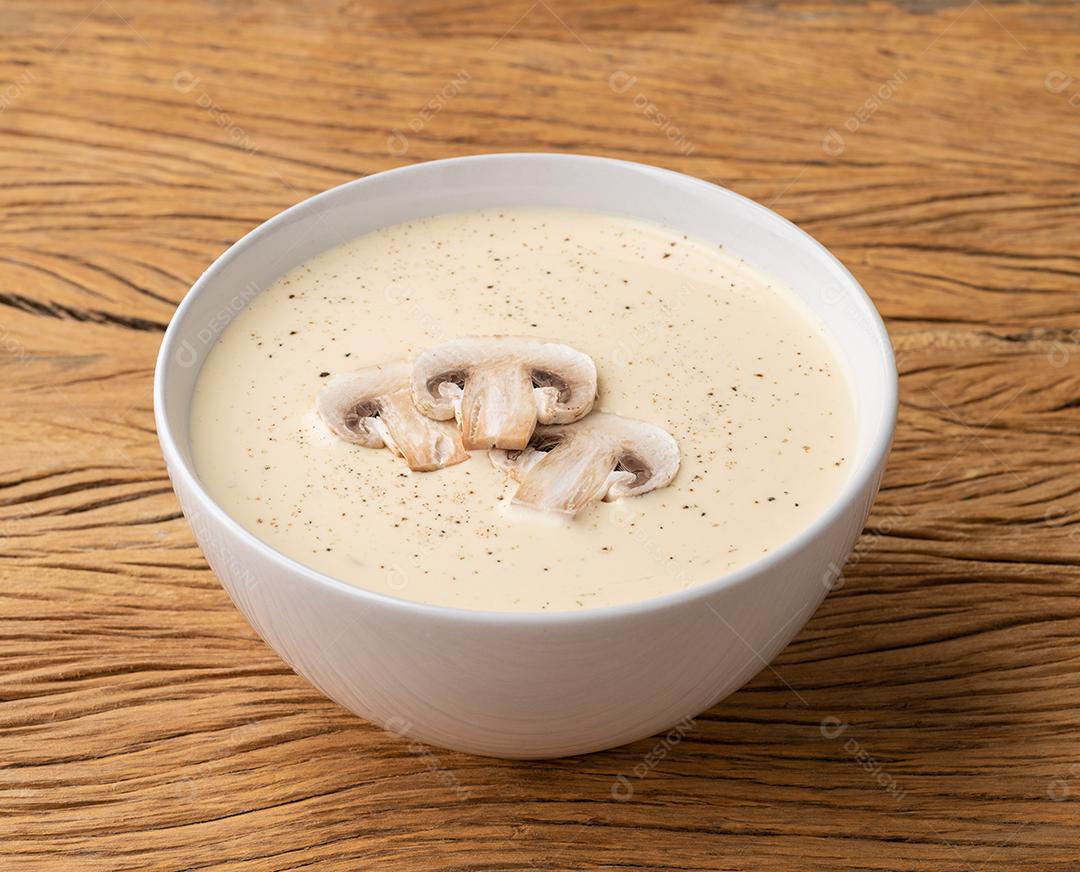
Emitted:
<point x="602" y="457"/>
<point x="373" y="407"/>
<point x="498" y="387"/>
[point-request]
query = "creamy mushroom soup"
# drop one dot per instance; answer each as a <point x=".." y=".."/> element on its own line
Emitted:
<point x="685" y="337"/>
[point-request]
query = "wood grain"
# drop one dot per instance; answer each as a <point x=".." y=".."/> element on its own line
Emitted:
<point x="142" y="723"/>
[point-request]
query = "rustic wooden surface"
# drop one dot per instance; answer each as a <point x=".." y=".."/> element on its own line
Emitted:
<point x="142" y="723"/>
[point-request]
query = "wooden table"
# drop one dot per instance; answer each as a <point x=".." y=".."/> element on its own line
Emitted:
<point x="926" y="718"/>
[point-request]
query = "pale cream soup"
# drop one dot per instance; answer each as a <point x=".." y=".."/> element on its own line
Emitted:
<point x="683" y="336"/>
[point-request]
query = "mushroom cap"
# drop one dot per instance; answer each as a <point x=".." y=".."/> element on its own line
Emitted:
<point x="603" y="456"/>
<point x="563" y="378"/>
<point x="373" y="407"/>
<point x="647" y="451"/>
<point x="349" y="401"/>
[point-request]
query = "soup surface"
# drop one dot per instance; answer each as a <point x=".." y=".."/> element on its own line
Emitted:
<point x="683" y="335"/>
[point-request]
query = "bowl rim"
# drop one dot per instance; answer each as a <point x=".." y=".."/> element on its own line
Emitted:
<point x="857" y="482"/>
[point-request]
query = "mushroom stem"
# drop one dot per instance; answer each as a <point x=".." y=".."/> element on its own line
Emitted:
<point x="425" y="444"/>
<point x="497" y="409"/>
<point x="568" y="478"/>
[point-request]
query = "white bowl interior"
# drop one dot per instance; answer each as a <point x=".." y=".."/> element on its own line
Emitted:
<point x="692" y="206"/>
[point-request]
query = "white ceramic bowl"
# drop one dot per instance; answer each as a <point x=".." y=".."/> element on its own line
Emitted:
<point x="529" y="685"/>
